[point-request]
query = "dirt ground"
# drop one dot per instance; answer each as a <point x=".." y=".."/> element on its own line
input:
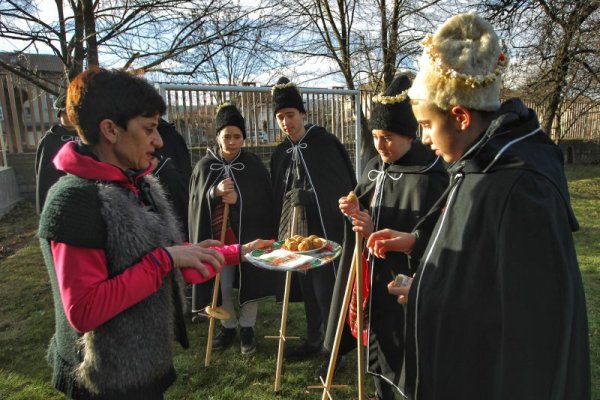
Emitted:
<point x="17" y="228"/>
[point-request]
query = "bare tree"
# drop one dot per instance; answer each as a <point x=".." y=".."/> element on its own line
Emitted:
<point x="149" y="35"/>
<point x="244" y="55"/>
<point x="556" y="48"/>
<point x="367" y="41"/>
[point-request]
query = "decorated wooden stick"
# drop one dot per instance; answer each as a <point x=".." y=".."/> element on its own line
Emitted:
<point x="213" y="311"/>
<point x="286" y="296"/>
<point x="327" y="385"/>
<point x="360" y="354"/>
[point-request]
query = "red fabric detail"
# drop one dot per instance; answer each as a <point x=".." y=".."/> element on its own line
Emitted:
<point x="192" y="275"/>
<point x="217" y="225"/>
<point x="69" y="160"/>
<point x="232" y="257"/>
<point x="230" y="237"/>
<point x="352" y="311"/>
<point x="89" y="297"/>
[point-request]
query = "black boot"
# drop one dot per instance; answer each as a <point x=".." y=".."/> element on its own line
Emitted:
<point x="303" y="351"/>
<point x="247" y="340"/>
<point x="321" y="372"/>
<point x="224" y="338"/>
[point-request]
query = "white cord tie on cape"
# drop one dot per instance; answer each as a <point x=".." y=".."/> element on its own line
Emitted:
<point x="379" y="177"/>
<point x="227" y="168"/>
<point x="380" y="174"/>
<point x="295" y="150"/>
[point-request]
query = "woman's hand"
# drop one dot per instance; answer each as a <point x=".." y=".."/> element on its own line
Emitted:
<point x="362" y="222"/>
<point x="197" y="255"/>
<point x="226" y="191"/>
<point x="385" y="240"/>
<point x="257" y="244"/>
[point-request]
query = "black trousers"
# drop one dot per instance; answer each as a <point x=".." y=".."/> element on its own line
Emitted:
<point x="317" y="288"/>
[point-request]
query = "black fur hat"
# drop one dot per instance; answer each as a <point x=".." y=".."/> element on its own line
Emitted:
<point x="285" y="94"/>
<point x="60" y="104"/>
<point x="228" y="114"/>
<point x="392" y="110"/>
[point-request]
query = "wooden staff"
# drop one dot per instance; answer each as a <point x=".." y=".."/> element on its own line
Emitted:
<point x="354" y="278"/>
<point x="360" y="355"/>
<point x="286" y="296"/>
<point x="215" y="297"/>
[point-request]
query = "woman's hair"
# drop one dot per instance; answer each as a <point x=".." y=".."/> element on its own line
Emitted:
<point x="98" y="94"/>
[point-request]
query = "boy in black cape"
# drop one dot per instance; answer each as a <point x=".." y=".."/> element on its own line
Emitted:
<point x="397" y="188"/>
<point x="46" y="173"/>
<point x="230" y="174"/>
<point x="174" y="170"/>
<point x="496" y="310"/>
<point x="311" y="169"/>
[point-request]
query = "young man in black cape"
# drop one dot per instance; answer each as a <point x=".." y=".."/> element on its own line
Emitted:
<point x="174" y="170"/>
<point x="228" y="174"/>
<point x="46" y="173"/>
<point x="397" y="188"/>
<point x="311" y="169"/>
<point x="496" y="310"/>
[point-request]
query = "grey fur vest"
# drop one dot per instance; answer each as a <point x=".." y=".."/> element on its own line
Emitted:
<point x="135" y="347"/>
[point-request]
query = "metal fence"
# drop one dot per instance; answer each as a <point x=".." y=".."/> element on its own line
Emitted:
<point x="26" y="114"/>
<point x="193" y="108"/>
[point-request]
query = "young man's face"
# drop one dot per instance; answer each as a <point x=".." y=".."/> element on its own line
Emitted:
<point x="291" y="121"/>
<point x="230" y="140"/>
<point x="390" y="145"/>
<point x="439" y="131"/>
<point x="135" y="146"/>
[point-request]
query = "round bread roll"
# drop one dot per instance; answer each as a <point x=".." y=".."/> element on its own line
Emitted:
<point x="304" y="246"/>
<point x="293" y="246"/>
<point x="316" y="243"/>
<point x="351" y="198"/>
<point x="217" y="312"/>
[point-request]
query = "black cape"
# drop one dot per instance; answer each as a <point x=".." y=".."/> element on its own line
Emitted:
<point x="497" y="308"/>
<point x="327" y="164"/>
<point x="408" y="189"/>
<point x="45" y="173"/>
<point x="251" y="218"/>
<point x="174" y="170"/>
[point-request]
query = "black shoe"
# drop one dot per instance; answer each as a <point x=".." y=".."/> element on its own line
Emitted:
<point x="321" y="372"/>
<point x="224" y="339"/>
<point x="305" y="350"/>
<point x="247" y="340"/>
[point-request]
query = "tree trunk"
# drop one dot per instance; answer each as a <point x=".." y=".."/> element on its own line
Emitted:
<point x="90" y="33"/>
<point x="75" y="64"/>
<point x="559" y="74"/>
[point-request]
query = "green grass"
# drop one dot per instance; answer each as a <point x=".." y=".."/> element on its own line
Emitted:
<point x="584" y="185"/>
<point x="27" y="321"/>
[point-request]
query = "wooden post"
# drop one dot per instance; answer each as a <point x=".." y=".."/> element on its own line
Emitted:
<point x="215" y="297"/>
<point x="327" y="385"/>
<point x="360" y="355"/>
<point x="286" y="296"/>
<point x="354" y="278"/>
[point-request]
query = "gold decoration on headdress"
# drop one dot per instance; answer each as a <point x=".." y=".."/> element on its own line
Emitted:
<point x="400" y="97"/>
<point x="223" y="105"/>
<point x="447" y="72"/>
<point x="282" y="86"/>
